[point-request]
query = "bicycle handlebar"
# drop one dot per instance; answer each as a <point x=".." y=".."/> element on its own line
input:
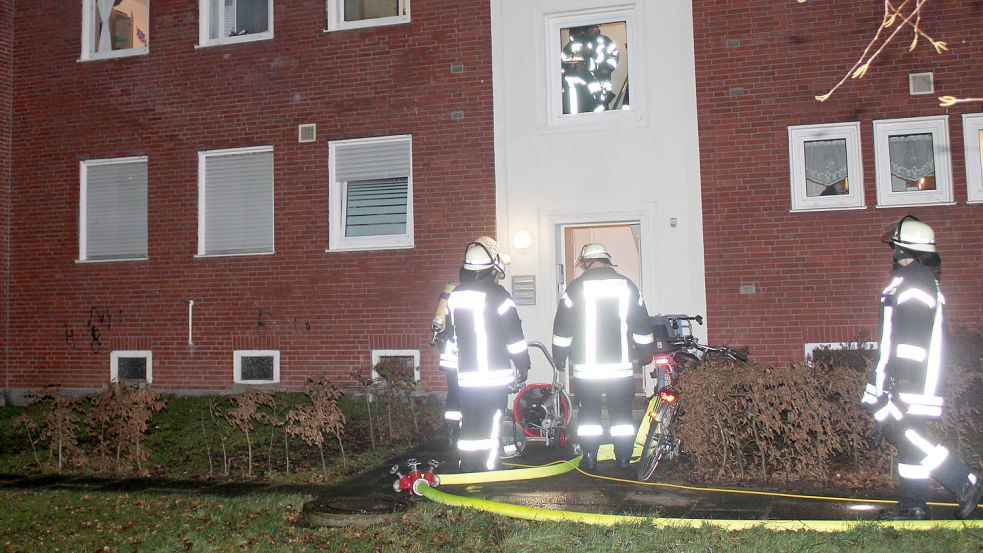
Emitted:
<point x="691" y="342"/>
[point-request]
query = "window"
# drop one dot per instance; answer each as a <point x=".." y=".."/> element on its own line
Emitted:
<point x="256" y="366"/>
<point x="113" y="209"/>
<point x="132" y="366"/>
<point x="589" y="72"/>
<point x="235" y="201"/>
<point x="410" y="358"/>
<point x="973" y="141"/>
<point x="911" y="157"/>
<point x="854" y="355"/>
<point x="228" y="21"/>
<point x="351" y="14"/>
<point x="115" y="28"/>
<point x="371" y="193"/>
<point x="825" y="167"/>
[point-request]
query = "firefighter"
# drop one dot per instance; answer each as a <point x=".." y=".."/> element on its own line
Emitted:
<point x="483" y="323"/>
<point x="448" y="364"/>
<point x="603" y="328"/>
<point x="587" y="62"/>
<point x="905" y="389"/>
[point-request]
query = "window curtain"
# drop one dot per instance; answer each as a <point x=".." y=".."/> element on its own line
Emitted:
<point x="239" y="203"/>
<point x="116" y="211"/>
<point x="912" y="156"/>
<point x="826" y="162"/>
<point x="105" y="9"/>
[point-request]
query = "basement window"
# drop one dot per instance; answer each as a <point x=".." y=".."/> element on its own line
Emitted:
<point x="911" y="159"/>
<point x="973" y="141"/>
<point x="131" y="366"/>
<point x="354" y="14"/>
<point x="825" y="167"/>
<point x="256" y="366"/>
<point x="115" y="28"/>
<point x="232" y="21"/>
<point x="410" y="358"/>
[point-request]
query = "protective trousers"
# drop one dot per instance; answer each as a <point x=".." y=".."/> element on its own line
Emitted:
<point x="482" y="410"/>
<point x="621" y="426"/>
<point x="452" y="405"/>
<point x="921" y="459"/>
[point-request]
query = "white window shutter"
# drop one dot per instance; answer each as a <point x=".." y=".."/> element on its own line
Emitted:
<point x="116" y="211"/>
<point x="238" y="200"/>
<point x="375" y="180"/>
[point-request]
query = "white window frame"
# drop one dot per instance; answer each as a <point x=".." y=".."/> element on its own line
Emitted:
<point x="84" y="210"/>
<point x="336" y="17"/>
<point x="115" y="356"/>
<point x="555" y="118"/>
<point x="938" y="127"/>
<point x="202" y="184"/>
<point x="972" y="125"/>
<point x="797" y="137"/>
<point x="237" y="356"/>
<point x="204" y="23"/>
<point x="809" y="348"/>
<point x="89" y="17"/>
<point x="337" y="241"/>
<point x="378" y="354"/>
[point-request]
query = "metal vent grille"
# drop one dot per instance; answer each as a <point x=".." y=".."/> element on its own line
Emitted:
<point x="307" y="133"/>
<point x="921" y="83"/>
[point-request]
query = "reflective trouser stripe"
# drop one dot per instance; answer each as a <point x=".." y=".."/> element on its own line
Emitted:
<point x="452" y="415"/>
<point x="889" y="409"/>
<point x="589" y="430"/>
<point x="622" y="430"/>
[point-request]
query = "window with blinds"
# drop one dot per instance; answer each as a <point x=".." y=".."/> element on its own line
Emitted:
<point x="113" y="211"/>
<point x="371" y="193"/>
<point x="235" y="203"/>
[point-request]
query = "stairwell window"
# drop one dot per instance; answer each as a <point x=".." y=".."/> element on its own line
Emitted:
<point x="115" y="28"/>
<point x="113" y="209"/>
<point x="230" y="21"/>
<point x="371" y="193"/>
<point x="235" y="201"/>
<point x="353" y="14"/>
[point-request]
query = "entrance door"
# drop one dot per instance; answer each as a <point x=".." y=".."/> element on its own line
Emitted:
<point x="622" y="240"/>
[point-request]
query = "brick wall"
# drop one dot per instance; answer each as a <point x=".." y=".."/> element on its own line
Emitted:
<point x="6" y="120"/>
<point x="323" y="311"/>
<point x="818" y="275"/>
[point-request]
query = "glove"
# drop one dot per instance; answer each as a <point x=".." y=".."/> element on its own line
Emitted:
<point x="522" y="376"/>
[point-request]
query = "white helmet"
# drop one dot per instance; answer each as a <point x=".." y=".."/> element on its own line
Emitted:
<point x="483" y="254"/>
<point x="594" y="252"/>
<point x="914" y="235"/>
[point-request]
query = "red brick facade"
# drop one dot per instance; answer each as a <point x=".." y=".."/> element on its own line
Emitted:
<point x="818" y="275"/>
<point x="6" y="121"/>
<point x="324" y="311"/>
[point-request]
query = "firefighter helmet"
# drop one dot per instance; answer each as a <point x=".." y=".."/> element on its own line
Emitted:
<point x="913" y="235"/>
<point x="483" y="254"/>
<point x="594" y="251"/>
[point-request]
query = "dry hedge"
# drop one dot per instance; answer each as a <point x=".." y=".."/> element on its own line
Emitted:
<point x="805" y="422"/>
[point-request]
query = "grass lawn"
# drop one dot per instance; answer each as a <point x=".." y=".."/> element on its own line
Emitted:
<point x="54" y="520"/>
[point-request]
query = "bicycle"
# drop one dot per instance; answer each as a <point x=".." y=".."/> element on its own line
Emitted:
<point x="680" y="351"/>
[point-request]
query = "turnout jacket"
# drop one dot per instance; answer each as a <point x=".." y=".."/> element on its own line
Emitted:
<point x="908" y="376"/>
<point x="486" y="334"/>
<point x="600" y="323"/>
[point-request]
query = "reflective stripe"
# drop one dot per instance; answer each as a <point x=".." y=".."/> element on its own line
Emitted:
<point x="925" y="410"/>
<point x="908" y="351"/>
<point x="622" y="430"/>
<point x="594" y="290"/>
<point x="933" y="369"/>
<point x="561" y="341"/>
<point x="567" y="301"/>
<point x="517" y="347"/>
<point x="496" y="428"/>
<point x="893" y="286"/>
<point x="485" y="379"/>
<point x="473" y="301"/>
<point x="602" y="372"/>
<point x="506" y="305"/>
<point x="452" y="415"/>
<point x="916" y="294"/>
<point x="643" y="338"/>
<point x="889" y="409"/>
<point x="912" y="472"/>
<point x="934" y="455"/>
<point x="871" y="393"/>
<point x="884" y="347"/>
<point x="589" y="430"/>
<point x="476" y="445"/>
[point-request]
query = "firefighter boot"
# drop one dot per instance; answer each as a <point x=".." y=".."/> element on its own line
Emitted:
<point x="589" y="461"/>
<point x="968" y="497"/>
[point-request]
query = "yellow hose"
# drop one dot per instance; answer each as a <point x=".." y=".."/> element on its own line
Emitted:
<point x="536" y="513"/>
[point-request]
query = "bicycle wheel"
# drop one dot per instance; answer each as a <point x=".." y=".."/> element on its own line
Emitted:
<point x="658" y="442"/>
